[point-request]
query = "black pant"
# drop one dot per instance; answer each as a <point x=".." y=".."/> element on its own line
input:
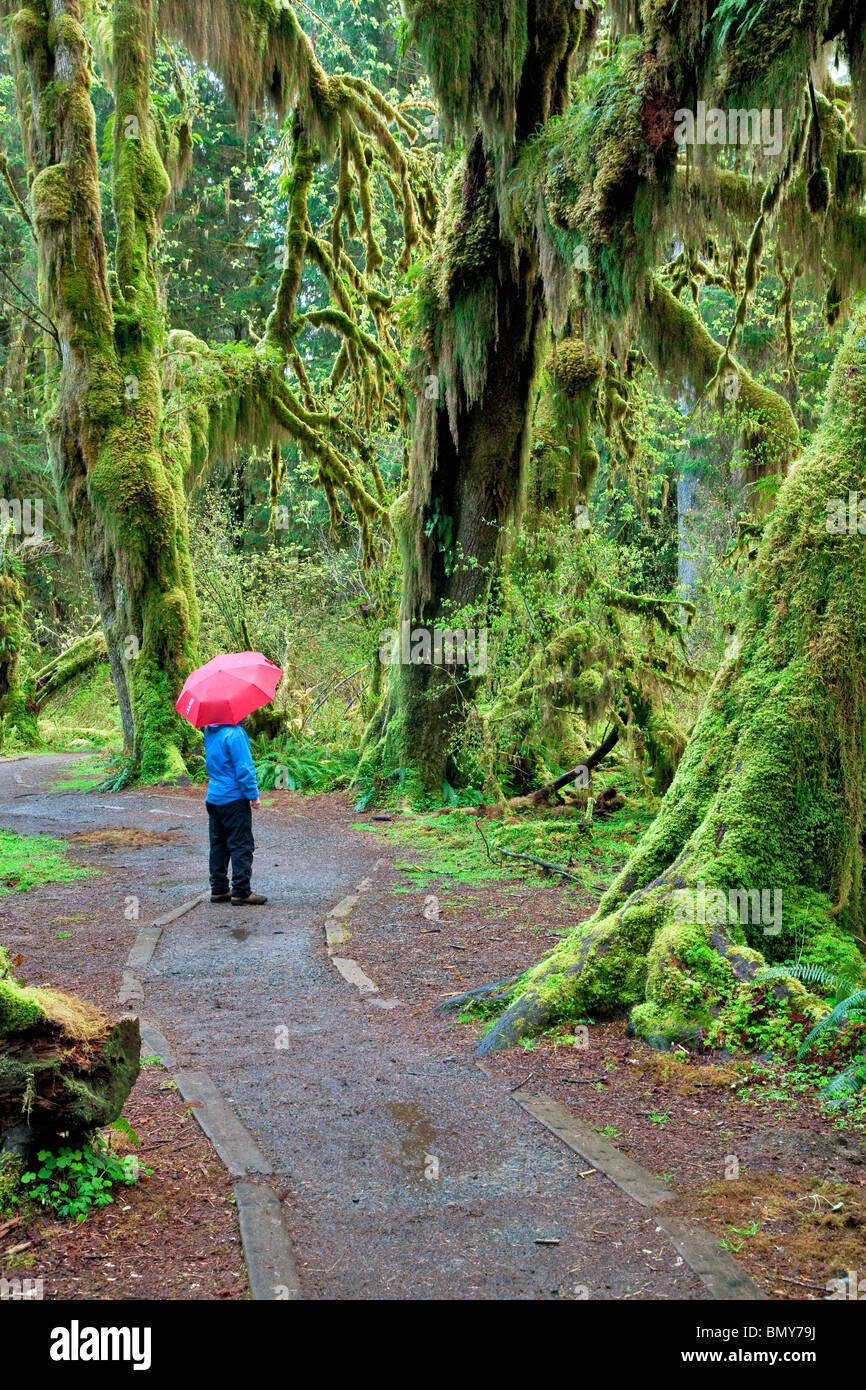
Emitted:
<point x="231" y="836"/>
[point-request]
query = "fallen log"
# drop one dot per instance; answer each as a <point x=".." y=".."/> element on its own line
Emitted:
<point x="65" y="1069"/>
<point x="87" y="651"/>
<point x="542" y="794"/>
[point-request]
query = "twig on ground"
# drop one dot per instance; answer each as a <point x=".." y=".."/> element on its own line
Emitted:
<point x="517" y="1085"/>
<point x="786" y="1279"/>
<point x="554" y="868"/>
<point x="484" y="838"/>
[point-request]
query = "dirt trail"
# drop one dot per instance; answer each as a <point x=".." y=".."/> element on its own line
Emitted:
<point x="404" y="1173"/>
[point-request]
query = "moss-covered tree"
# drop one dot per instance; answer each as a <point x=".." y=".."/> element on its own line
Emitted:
<point x="17" y="704"/>
<point x="769" y="793"/>
<point x="135" y="411"/>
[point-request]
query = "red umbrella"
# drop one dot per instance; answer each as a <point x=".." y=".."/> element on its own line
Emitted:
<point x="228" y="688"/>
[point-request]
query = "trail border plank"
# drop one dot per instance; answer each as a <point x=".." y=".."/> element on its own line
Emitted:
<point x="715" y="1267"/>
<point x="267" y="1247"/>
<point x="232" y="1140"/>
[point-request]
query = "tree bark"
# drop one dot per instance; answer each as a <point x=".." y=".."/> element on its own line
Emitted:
<point x="121" y="493"/>
<point x="483" y="333"/>
<point x="769" y="796"/>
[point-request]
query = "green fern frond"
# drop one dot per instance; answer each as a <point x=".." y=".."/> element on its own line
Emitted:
<point x="845" y="1085"/>
<point x="807" y="971"/>
<point x="834" y="1018"/>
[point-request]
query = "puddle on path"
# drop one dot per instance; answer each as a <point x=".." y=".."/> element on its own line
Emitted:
<point x="417" y="1140"/>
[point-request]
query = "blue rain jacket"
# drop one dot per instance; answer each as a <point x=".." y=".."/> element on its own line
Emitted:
<point x="229" y="765"/>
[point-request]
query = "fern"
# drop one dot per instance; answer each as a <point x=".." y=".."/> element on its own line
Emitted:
<point x="809" y="973"/>
<point x="121" y="774"/>
<point x="855" y="1001"/>
<point x="846" y="1085"/>
<point x="294" y="767"/>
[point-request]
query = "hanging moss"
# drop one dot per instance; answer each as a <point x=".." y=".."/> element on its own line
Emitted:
<point x="576" y="365"/>
<point x="474" y="53"/>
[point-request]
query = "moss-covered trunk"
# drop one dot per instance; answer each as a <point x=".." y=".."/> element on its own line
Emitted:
<point x="450" y="531"/>
<point x="120" y="492"/>
<point x="769" y="798"/>
<point x="17" y="707"/>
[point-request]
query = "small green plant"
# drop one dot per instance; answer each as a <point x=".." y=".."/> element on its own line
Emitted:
<point x="660" y="1117"/>
<point x="744" y="1231"/>
<point x="151" y="1061"/>
<point x="74" y="1181"/>
<point x="754" y="1018"/>
<point x="608" y="1131"/>
<point x="849" y="1005"/>
<point x="121" y="773"/>
<point x="854" y="1003"/>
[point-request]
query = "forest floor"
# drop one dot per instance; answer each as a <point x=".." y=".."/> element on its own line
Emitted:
<point x="404" y="1170"/>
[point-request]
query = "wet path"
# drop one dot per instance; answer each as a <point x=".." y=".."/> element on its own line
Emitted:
<point x="403" y="1173"/>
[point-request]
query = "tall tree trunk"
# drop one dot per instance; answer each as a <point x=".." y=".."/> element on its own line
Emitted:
<point x="120" y="491"/>
<point x="770" y="794"/>
<point x="482" y="333"/>
<point x="17" y="708"/>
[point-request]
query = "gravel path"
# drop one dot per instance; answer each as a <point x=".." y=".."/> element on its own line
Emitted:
<point x="403" y="1173"/>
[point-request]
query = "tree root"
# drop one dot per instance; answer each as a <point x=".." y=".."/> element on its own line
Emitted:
<point x="483" y="991"/>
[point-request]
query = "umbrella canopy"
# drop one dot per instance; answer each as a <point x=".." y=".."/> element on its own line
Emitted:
<point x="228" y="688"/>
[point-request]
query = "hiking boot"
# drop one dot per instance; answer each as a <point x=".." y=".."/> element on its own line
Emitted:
<point x="220" y="897"/>
<point x="252" y="900"/>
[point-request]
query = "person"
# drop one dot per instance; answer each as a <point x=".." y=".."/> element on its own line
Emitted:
<point x="232" y="792"/>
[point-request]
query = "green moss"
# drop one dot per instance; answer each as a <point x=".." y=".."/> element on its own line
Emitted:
<point x="19" y="1007"/>
<point x="51" y="197"/>
<point x="576" y="365"/>
<point x="770" y="793"/>
<point x="66" y="29"/>
<point x="30" y="28"/>
<point x="17" y="702"/>
<point x="28" y="860"/>
<point x="686" y="980"/>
